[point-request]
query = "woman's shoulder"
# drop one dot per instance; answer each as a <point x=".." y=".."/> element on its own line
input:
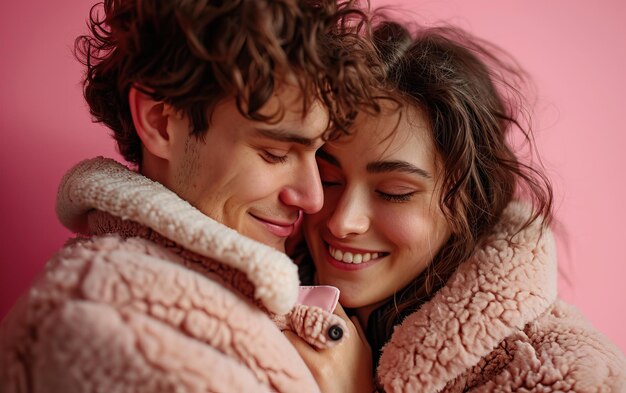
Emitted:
<point x="558" y="351"/>
<point x="497" y="322"/>
<point x="582" y="353"/>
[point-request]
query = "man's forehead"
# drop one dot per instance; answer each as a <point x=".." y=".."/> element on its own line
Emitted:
<point x="292" y="98"/>
<point x="299" y="116"/>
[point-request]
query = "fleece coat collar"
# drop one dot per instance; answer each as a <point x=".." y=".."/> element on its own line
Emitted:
<point x="509" y="282"/>
<point x="105" y="185"/>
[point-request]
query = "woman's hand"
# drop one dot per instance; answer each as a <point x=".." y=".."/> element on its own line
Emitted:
<point x="345" y="368"/>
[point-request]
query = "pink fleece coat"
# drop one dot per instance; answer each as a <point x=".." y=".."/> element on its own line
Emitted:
<point x="497" y="326"/>
<point x="154" y="297"/>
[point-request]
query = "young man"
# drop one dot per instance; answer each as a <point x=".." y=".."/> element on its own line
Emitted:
<point x="221" y="106"/>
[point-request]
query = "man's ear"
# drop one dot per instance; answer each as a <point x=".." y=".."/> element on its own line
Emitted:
<point x="150" y="118"/>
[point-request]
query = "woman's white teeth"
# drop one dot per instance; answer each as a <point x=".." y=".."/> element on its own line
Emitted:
<point x="351" y="257"/>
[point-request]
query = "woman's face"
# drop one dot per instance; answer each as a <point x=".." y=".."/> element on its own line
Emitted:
<point x="381" y="224"/>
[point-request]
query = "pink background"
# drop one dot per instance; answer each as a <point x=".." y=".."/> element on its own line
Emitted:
<point x="575" y="52"/>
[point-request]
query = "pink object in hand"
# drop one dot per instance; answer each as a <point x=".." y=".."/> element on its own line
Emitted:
<point x="323" y="296"/>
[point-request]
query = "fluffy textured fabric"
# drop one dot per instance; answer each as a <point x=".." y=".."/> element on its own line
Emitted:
<point x="497" y="326"/>
<point x="107" y="186"/>
<point x="154" y="297"/>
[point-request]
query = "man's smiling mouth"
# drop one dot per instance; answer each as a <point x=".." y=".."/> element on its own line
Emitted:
<point x="277" y="228"/>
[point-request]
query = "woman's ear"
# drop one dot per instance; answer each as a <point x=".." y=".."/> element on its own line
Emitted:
<point x="150" y="118"/>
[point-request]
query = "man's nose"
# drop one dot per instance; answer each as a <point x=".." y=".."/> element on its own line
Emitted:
<point x="304" y="190"/>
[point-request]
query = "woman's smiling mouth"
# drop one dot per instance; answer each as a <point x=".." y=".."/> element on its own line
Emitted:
<point x="352" y="259"/>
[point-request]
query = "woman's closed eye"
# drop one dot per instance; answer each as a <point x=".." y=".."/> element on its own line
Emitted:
<point x="396" y="196"/>
<point x="330" y="183"/>
<point x="329" y="177"/>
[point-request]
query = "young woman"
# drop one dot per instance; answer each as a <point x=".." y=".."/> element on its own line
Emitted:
<point x="437" y="236"/>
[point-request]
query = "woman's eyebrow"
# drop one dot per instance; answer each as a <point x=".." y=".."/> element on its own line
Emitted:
<point x="400" y="166"/>
<point x="329" y="158"/>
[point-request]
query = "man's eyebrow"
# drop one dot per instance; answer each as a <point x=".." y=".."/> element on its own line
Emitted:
<point x="401" y="166"/>
<point x="329" y="158"/>
<point x="286" y="136"/>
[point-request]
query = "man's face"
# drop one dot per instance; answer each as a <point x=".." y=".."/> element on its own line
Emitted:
<point x="253" y="176"/>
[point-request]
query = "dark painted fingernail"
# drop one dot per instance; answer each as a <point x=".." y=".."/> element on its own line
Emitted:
<point x="335" y="332"/>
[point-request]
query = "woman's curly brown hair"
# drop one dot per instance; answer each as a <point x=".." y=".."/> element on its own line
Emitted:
<point x="193" y="53"/>
<point x="471" y="92"/>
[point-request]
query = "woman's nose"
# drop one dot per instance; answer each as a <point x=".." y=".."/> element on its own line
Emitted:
<point x="350" y="216"/>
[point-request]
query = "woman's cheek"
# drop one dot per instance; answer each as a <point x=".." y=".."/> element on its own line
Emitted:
<point x="404" y="230"/>
<point x="415" y="231"/>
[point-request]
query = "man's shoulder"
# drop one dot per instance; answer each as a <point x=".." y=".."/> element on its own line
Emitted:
<point x="114" y="302"/>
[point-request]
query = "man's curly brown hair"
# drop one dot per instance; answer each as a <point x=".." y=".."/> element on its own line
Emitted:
<point x="193" y="53"/>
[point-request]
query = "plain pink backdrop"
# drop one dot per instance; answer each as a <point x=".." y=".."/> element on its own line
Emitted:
<point x="574" y="51"/>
